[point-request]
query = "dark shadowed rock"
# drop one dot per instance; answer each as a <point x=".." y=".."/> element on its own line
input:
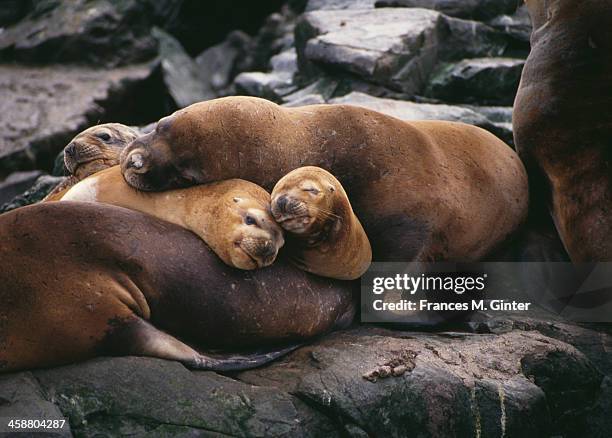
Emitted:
<point x="492" y="81"/>
<point x="41" y="188"/>
<point x="219" y="64"/>
<point x="97" y="32"/>
<point x="448" y="384"/>
<point x="365" y="381"/>
<point x="21" y="397"/>
<point x="517" y="25"/>
<point x="471" y="39"/>
<point x="273" y="85"/>
<point x="17" y="183"/>
<point x="42" y="108"/>
<point x="472" y="9"/>
<point x="126" y="396"/>
<point x="185" y="81"/>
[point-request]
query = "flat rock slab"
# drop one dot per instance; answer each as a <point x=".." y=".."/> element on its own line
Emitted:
<point x="492" y="81"/>
<point x="366" y="381"/>
<point x="415" y="111"/>
<point x="397" y="48"/>
<point x="394" y="47"/>
<point x="42" y="108"/>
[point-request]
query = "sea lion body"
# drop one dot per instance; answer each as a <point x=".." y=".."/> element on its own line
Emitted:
<point x="324" y="235"/>
<point x="231" y="216"/>
<point x="84" y="279"/>
<point x="95" y="149"/>
<point x="562" y="122"/>
<point x="423" y="190"/>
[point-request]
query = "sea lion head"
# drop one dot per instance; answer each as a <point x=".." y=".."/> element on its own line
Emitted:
<point x="254" y="238"/>
<point x="153" y="161"/>
<point x="305" y="201"/>
<point x="97" y="148"/>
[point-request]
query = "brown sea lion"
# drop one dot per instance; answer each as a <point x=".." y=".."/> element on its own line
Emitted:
<point x="425" y="190"/>
<point x="83" y="279"/>
<point x="231" y="216"/>
<point x="562" y="121"/>
<point x="324" y="235"/>
<point x="95" y="149"/>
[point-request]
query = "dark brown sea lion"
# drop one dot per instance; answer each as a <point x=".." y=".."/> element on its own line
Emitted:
<point x="95" y="149"/>
<point x="85" y="279"/>
<point x="324" y="235"/>
<point x="424" y="190"/>
<point x="562" y="120"/>
<point x="232" y="216"/>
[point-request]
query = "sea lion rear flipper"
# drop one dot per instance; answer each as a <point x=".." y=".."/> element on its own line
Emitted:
<point x="138" y="337"/>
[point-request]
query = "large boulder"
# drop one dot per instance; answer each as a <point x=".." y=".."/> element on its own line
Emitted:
<point x="365" y="381"/>
<point x="489" y="81"/>
<point x="97" y="32"/>
<point x="17" y="183"/>
<point x="394" y="47"/>
<point x="43" y="108"/>
<point x="36" y="193"/>
<point x="272" y="85"/>
<point x="316" y="5"/>
<point x="185" y="81"/>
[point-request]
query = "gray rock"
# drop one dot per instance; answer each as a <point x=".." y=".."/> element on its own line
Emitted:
<point x="22" y="398"/>
<point x="43" y="108"/>
<point x="319" y="91"/>
<point x="186" y="82"/>
<point x="317" y="5"/>
<point x="501" y="120"/>
<point x="17" y="183"/>
<point x="397" y="48"/>
<point x="471" y="39"/>
<point x="139" y="396"/>
<point x="98" y="32"/>
<point x="449" y="384"/>
<point x="489" y="81"/>
<point x="41" y="188"/>
<point x="472" y="9"/>
<point x="218" y="64"/>
<point x="273" y="85"/>
<point x="517" y="25"/>
<point x="415" y="111"/>
<point x="365" y="381"/>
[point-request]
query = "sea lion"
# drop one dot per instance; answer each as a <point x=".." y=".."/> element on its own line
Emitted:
<point x="84" y="279"/>
<point x="324" y="235"/>
<point x="231" y="216"/>
<point x="95" y="149"/>
<point x="562" y="123"/>
<point x="425" y="190"/>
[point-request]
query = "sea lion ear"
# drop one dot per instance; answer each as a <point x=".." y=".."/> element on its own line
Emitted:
<point x="236" y="200"/>
<point x="331" y="189"/>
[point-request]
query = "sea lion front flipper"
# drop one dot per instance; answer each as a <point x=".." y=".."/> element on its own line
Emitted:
<point x="140" y="338"/>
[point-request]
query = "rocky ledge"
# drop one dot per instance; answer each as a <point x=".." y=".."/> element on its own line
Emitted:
<point x="515" y="377"/>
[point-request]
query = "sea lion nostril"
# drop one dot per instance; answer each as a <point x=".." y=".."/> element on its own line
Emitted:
<point x="135" y="161"/>
<point x="70" y="150"/>
<point x="281" y="203"/>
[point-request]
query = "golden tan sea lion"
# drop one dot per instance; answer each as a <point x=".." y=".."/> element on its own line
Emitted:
<point x="232" y="216"/>
<point x="425" y="190"/>
<point x="324" y="235"/>
<point x="85" y="279"/>
<point x="95" y="149"/>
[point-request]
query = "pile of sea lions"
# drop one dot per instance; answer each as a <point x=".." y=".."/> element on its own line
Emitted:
<point x="237" y="225"/>
<point x="240" y="225"/>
